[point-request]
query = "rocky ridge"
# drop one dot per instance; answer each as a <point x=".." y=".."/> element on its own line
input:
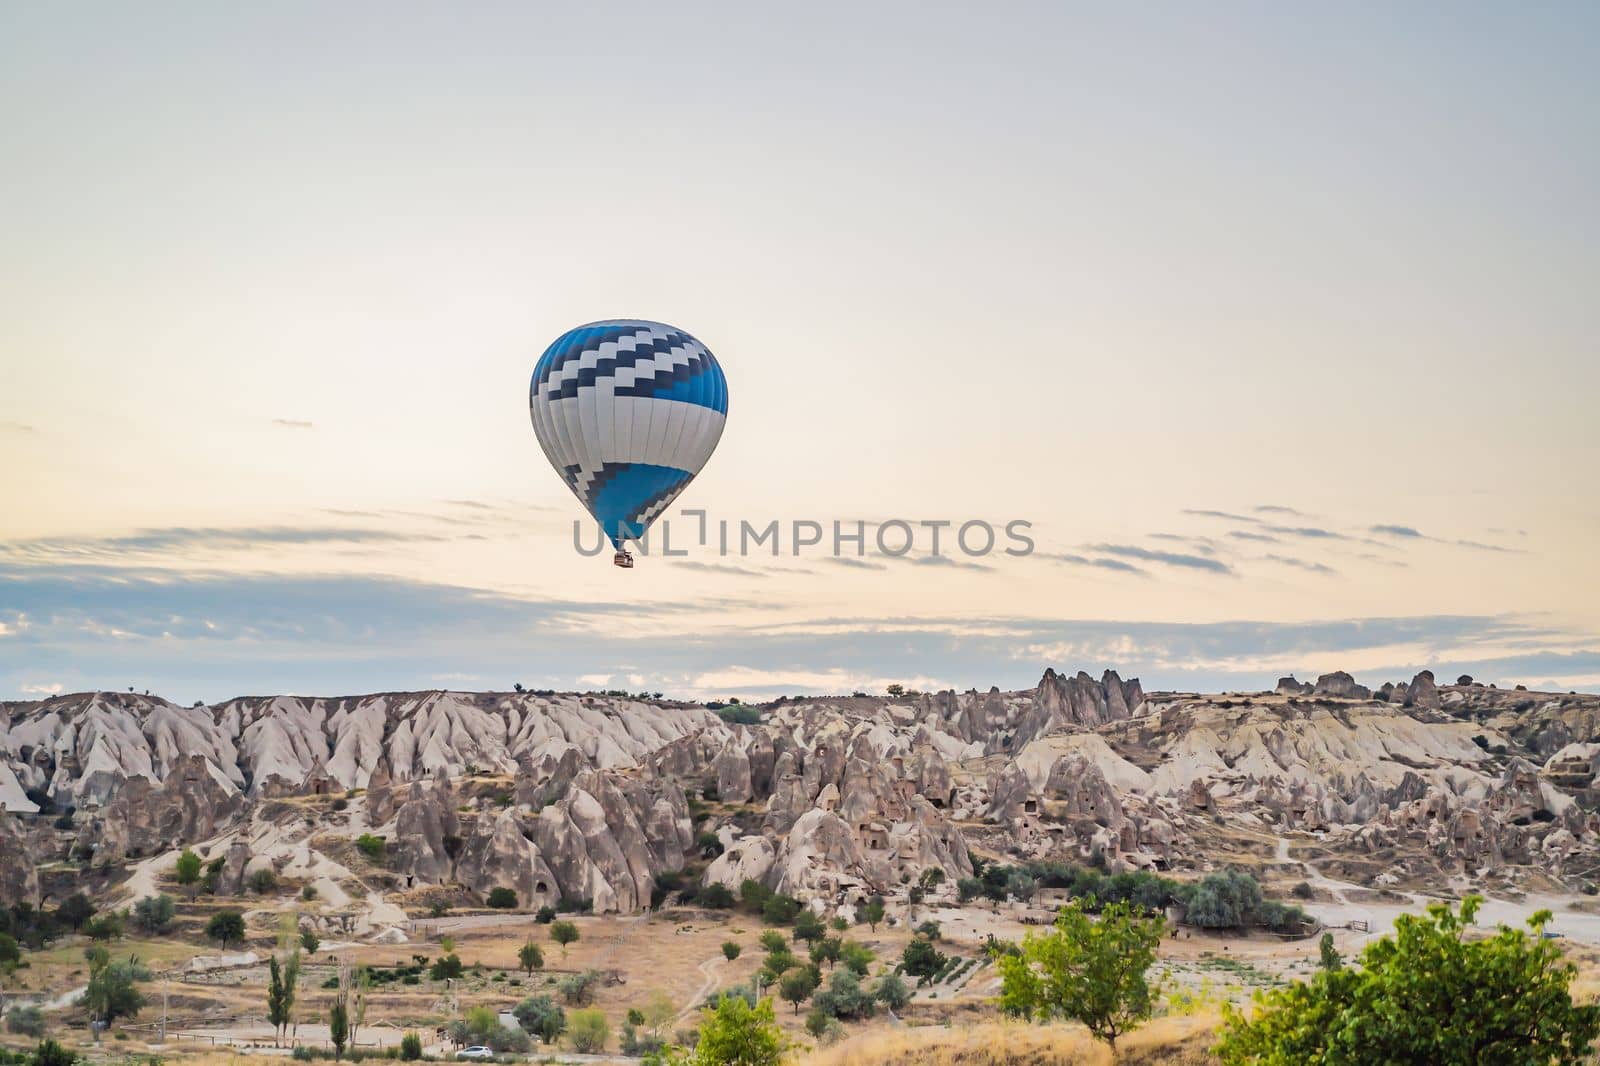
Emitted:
<point x="566" y="798"/>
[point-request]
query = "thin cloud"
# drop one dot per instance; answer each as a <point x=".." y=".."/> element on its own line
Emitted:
<point x="1310" y="532"/>
<point x="293" y="423"/>
<point x="852" y="563"/>
<point x="717" y="568"/>
<point x="1102" y="564"/>
<point x="1225" y="515"/>
<point x="185" y="538"/>
<point x="1179" y="559"/>
<point x="946" y="561"/>
<point x="1245" y="534"/>
<point x="1397" y="531"/>
<point x="1300" y="564"/>
<point x="1272" y="508"/>
<point x="16" y="427"/>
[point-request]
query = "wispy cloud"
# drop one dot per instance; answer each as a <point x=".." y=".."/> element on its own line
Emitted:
<point x="1245" y="534"/>
<point x="852" y="563"/>
<point x="293" y="423"/>
<point x="1179" y="559"/>
<point x="947" y="562"/>
<point x="1103" y="564"/>
<point x="1271" y="508"/>
<point x="1301" y="564"/>
<point x="177" y="539"/>
<point x="1396" y="531"/>
<point x="15" y="427"/>
<point x="716" y="568"/>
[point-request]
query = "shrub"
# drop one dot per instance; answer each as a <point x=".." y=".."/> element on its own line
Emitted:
<point x="263" y="881"/>
<point x="716" y="896"/>
<point x="50" y="1053"/>
<point x="578" y="988"/>
<point x="922" y="960"/>
<point x="545" y="915"/>
<point x="735" y="1031"/>
<point x="730" y="950"/>
<point x="772" y="940"/>
<point x="154" y="913"/>
<point x="376" y="849"/>
<point x="780" y="910"/>
<point x="411" y="1047"/>
<point x="445" y="968"/>
<point x="309" y="941"/>
<point x="891" y="991"/>
<point x="588" y="1031"/>
<point x="106" y="926"/>
<point x="845" y="998"/>
<point x="542" y="1017"/>
<point x="26" y="1020"/>
<point x="502" y="898"/>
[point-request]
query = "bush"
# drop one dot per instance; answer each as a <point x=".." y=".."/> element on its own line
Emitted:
<point x="922" y="960"/>
<point x="891" y="991"/>
<point x="564" y="933"/>
<point x="588" y="1031"/>
<point x="50" y="1053"/>
<point x="542" y="1017"/>
<point x="780" y="910"/>
<point x="26" y="1020"/>
<point x="376" y="849"/>
<point x="263" y="881"/>
<point x="545" y="915"/>
<point x="154" y="913"/>
<point x="445" y="968"/>
<point x="716" y="896"/>
<point x="578" y="988"/>
<point x="411" y="1047"/>
<point x="1427" y="994"/>
<point x="309" y="941"/>
<point x="845" y="998"/>
<point x="502" y="898"/>
<point x="106" y="926"/>
<point x="730" y="950"/>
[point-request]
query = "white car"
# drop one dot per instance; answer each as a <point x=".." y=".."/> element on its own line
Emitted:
<point x="476" y="1051"/>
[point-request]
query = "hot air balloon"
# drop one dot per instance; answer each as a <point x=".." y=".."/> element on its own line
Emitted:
<point x="627" y="411"/>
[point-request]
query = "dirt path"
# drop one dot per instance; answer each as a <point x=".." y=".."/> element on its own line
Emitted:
<point x="709" y="968"/>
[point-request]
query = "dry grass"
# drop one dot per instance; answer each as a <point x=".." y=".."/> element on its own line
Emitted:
<point x="1163" y="1042"/>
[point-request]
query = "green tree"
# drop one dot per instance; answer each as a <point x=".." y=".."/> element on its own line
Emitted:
<point x="280" y="995"/>
<point x="891" y="991"/>
<point x="872" y="913"/>
<point x="10" y="952"/>
<point x="857" y="958"/>
<point x="1330" y="957"/>
<point x="154" y="913"/>
<point x="922" y="960"/>
<point x="502" y="898"/>
<point x="845" y="998"/>
<point x="310" y="941"/>
<point x="780" y="910"/>
<point x="717" y="896"/>
<point x="1086" y="971"/>
<point x="808" y="926"/>
<point x="1426" y="994"/>
<point x="411" y="1047"/>
<point x="542" y="1017"/>
<point x="733" y="1033"/>
<point x="188" y="870"/>
<point x="827" y="950"/>
<point x="588" y="1031"/>
<point x="112" y="992"/>
<point x="730" y="950"/>
<point x="75" y="910"/>
<point x="564" y="933"/>
<point x="772" y="940"/>
<point x="445" y="968"/>
<point x="226" y="927"/>
<point x="797" y="985"/>
<point x="530" y="957"/>
<point x="339" y="1026"/>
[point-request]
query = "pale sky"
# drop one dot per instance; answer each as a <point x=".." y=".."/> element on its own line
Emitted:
<point x="1277" y="324"/>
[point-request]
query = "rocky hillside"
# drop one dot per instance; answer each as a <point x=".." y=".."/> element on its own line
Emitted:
<point x="606" y="799"/>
